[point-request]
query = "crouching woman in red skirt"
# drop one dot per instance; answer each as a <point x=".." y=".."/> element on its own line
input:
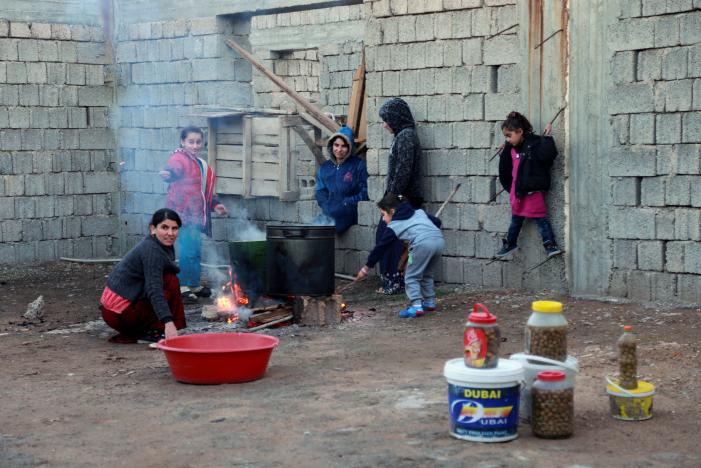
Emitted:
<point x="142" y="298"/>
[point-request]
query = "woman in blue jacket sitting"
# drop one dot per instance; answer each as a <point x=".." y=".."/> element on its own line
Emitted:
<point x="342" y="181"/>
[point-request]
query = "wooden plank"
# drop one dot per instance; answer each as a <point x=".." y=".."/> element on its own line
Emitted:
<point x="285" y="158"/>
<point x="212" y="145"/>
<point x="357" y="98"/>
<point x="269" y="154"/>
<point x="229" y="186"/>
<point x="267" y="140"/>
<point x="259" y="171"/>
<point x="230" y="152"/>
<point x="310" y="108"/>
<point x="266" y="125"/>
<point x="247" y="154"/>
<point x="362" y="134"/>
<point x="230" y="138"/>
<point x="265" y="188"/>
<point x="313" y="121"/>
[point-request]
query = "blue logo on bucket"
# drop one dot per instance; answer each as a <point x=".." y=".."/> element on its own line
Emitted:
<point x="484" y="413"/>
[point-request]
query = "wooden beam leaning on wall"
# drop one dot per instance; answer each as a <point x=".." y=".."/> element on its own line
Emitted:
<point x="314" y="111"/>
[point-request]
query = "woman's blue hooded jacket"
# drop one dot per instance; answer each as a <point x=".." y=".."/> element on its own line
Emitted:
<point x="339" y="187"/>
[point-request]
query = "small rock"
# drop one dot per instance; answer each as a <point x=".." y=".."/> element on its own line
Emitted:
<point x="35" y="309"/>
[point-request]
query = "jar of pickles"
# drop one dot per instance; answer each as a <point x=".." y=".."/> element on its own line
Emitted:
<point x="546" y="331"/>
<point x="552" y="403"/>
<point x="482" y="339"/>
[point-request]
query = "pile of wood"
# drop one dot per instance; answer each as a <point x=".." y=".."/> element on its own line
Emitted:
<point x="263" y="317"/>
<point x="316" y="311"/>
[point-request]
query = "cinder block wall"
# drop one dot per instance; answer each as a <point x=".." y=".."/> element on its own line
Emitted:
<point x="460" y="83"/>
<point x="58" y="189"/>
<point x="165" y="70"/>
<point x="654" y="222"/>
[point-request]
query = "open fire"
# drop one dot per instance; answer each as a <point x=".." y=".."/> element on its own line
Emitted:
<point x="231" y="299"/>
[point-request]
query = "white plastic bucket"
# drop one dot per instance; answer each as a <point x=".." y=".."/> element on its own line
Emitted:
<point x="484" y="403"/>
<point x="532" y="365"/>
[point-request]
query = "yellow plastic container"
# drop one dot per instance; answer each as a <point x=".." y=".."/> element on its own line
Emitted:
<point x="630" y="404"/>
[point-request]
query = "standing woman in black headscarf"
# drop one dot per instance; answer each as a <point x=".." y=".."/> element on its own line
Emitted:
<point x="403" y="179"/>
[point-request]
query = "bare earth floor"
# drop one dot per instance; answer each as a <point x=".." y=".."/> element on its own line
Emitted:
<point x="369" y="392"/>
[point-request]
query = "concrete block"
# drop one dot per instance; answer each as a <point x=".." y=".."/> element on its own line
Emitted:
<point x="94" y="96"/>
<point x="9" y="49"/>
<point x="54" y="184"/>
<point x="4" y="28"/>
<point x="68" y="52"/>
<point x="83" y="205"/>
<point x="501" y="50"/>
<point x="632" y="223"/>
<point x="32" y="230"/>
<point x="690" y="28"/>
<point x="642" y="129"/>
<point x="632" y="34"/>
<point x="668" y="128"/>
<point x="687" y="224"/>
<point x="631" y="98"/>
<point x="32" y="139"/>
<point x="651" y="255"/>
<point x="674" y="63"/>
<point x="625" y="191"/>
<point x="34" y="184"/>
<point x="623" y="67"/>
<point x="452" y="270"/>
<point x="492" y="275"/>
<point x="678" y="191"/>
<point x="639" y="286"/>
<point x="19" y="118"/>
<point x="664" y="287"/>
<point x="497" y="106"/>
<point x="689" y="159"/>
<point x="691" y="127"/>
<point x="633" y="161"/>
<point x="100" y="182"/>
<point x="452" y="54"/>
<point x="7" y="207"/>
<point x="697" y="95"/>
<point x="472" y="51"/>
<point x="625" y="254"/>
<point x="664" y="224"/>
<point x="28" y="51"/>
<point x="48" y="51"/>
<point x="649" y="65"/>
<point x="201" y="26"/>
<point x="91" y="52"/>
<point x="689" y="288"/>
<point x="652" y="190"/>
<point x="83" y="247"/>
<point x="48" y="96"/>
<point x="692" y="258"/>
<point x="11" y="231"/>
<point x="99" y="226"/>
<point x="75" y="74"/>
<point x="16" y="72"/>
<point x="666" y="31"/>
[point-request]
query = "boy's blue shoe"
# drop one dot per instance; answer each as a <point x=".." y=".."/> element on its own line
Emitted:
<point x="411" y="312"/>
<point x="429" y="305"/>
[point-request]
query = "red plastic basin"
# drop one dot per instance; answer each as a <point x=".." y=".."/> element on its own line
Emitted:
<point x="216" y="358"/>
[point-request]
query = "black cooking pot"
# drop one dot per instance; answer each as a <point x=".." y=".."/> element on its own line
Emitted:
<point x="300" y="260"/>
<point x="248" y="261"/>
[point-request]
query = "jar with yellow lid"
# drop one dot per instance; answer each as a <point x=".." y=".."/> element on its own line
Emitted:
<point x="546" y="331"/>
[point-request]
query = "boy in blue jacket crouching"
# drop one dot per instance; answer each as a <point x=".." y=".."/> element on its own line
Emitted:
<point x="426" y="244"/>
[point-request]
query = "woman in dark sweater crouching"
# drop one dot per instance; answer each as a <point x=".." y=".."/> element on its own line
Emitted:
<point x="142" y="298"/>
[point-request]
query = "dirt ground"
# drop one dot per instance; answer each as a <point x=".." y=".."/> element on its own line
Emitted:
<point x="368" y="392"/>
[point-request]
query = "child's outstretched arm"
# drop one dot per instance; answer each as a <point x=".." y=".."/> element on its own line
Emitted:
<point x="388" y="237"/>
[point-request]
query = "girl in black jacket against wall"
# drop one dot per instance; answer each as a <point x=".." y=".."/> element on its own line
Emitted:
<point x="524" y="172"/>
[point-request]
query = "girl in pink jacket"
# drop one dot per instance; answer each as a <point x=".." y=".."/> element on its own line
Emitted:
<point x="191" y="195"/>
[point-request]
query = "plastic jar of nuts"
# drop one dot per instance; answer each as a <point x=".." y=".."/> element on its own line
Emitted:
<point x="482" y="339"/>
<point x="627" y="359"/>
<point x="546" y="331"/>
<point x="552" y="406"/>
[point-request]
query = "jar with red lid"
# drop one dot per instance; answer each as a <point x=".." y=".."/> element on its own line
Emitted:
<point x="482" y="339"/>
<point x="552" y="406"/>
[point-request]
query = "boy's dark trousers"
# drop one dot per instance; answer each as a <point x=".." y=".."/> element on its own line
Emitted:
<point x="544" y="227"/>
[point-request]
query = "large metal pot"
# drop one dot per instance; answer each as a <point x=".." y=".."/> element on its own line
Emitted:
<point x="248" y="260"/>
<point x="300" y="260"/>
